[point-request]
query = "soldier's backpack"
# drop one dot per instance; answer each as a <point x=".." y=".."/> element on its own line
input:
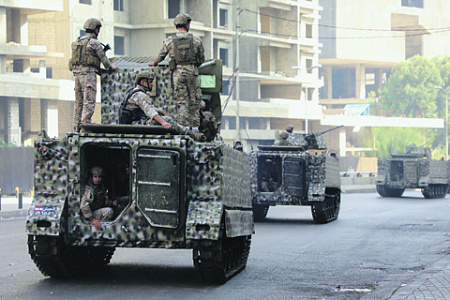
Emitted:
<point x="128" y="116"/>
<point x="183" y="50"/>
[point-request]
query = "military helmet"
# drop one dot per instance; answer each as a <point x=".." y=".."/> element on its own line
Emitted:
<point x="289" y="128"/>
<point x="284" y="134"/>
<point x="92" y="24"/>
<point x="97" y="171"/>
<point x="182" y="19"/>
<point x="144" y="74"/>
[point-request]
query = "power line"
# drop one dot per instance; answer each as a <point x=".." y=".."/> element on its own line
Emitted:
<point x="349" y="28"/>
<point x="349" y="37"/>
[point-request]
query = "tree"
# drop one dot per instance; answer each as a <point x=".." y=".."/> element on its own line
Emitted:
<point x="385" y="139"/>
<point x="410" y="90"/>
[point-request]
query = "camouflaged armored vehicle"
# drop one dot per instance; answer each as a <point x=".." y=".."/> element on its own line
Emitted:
<point x="414" y="169"/>
<point x="182" y="193"/>
<point x="304" y="173"/>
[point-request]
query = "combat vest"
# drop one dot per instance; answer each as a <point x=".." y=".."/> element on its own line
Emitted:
<point x="128" y="116"/>
<point x="183" y="50"/>
<point x="79" y="55"/>
<point x="99" y="196"/>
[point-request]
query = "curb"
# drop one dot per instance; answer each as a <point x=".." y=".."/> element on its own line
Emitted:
<point x="13" y="213"/>
<point x="441" y="265"/>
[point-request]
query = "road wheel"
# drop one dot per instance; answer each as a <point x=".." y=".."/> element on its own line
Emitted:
<point x="216" y="261"/>
<point x="328" y="210"/>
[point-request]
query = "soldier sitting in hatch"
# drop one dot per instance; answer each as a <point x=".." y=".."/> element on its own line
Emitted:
<point x="284" y="139"/>
<point x="137" y="107"/>
<point x="94" y="203"/>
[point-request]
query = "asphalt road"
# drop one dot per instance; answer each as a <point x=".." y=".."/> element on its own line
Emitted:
<point x="376" y="246"/>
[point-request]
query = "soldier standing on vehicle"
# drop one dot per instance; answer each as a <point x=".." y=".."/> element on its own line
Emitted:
<point x="94" y="203"/>
<point x="137" y="107"/>
<point x="87" y="54"/>
<point x="289" y="129"/>
<point x="186" y="55"/>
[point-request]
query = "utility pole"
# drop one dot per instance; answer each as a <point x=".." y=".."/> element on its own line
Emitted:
<point x="445" y="120"/>
<point x="236" y="68"/>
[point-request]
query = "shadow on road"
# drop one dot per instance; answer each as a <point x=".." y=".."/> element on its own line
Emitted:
<point x="131" y="275"/>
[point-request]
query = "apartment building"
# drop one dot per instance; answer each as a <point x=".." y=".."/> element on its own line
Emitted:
<point x="276" y="62"/>
<point x="27" y="97"/>
<point x="362" y="41"/>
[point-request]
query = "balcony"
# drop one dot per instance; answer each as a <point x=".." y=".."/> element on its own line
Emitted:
<point x="34" y="6"/>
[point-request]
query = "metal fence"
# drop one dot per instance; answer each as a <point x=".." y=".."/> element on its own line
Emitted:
<point x="16" y="169"/>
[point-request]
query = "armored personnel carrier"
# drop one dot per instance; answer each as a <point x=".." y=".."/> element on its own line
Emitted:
<point x="413" y="169"/>
<point x="176" y="192"/>
<point x="303" y="173"/>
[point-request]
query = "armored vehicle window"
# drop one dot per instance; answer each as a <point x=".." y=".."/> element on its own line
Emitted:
<point x="115" y="160"/>
<point x="269" y="173"/>
<point x="396" y="170"/>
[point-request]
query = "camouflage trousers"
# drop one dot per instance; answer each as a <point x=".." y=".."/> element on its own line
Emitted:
<point x="85" y="96"/>
<point x="104" y="214"/>
<point x="189" y="96"/>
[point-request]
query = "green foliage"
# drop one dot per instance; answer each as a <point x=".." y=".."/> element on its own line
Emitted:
<point x="410" y="90"/>
<point x="3" y="144"/>
<point x="386" y="139"/>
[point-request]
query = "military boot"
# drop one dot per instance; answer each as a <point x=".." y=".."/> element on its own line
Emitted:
<point x="196" y="135"/>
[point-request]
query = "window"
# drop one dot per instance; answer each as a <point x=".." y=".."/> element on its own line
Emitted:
<point x="223" y="17"/>
<point x="118" y="5"/>
<point x="119" y="45"/>
<point x="309" y="65"/>
<point x="308" y="29"/>
<point x="225" y="87"/>
<point x="412" y="3"/>
<point x="223" y="55"/>
<point x="174" y="8"/>
<point x="85" y="2"/>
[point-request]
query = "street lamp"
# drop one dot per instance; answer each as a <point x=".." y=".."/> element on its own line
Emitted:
<point x="446" y="120"/>
<point x="298" y="68"/>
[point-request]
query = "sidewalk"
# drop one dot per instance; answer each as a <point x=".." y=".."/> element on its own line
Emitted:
<point x="433" y="283"/>
<point x="9" y="207"/>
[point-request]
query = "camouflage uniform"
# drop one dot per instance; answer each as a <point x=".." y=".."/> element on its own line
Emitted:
<point x="144" y="101"/>
<point x="186" y="82"/>
<point x="93" y="203"/>
<point x="284" y="139"/>
<point x="86" y="80"/>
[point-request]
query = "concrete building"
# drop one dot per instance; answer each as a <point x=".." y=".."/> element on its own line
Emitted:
<point x="278" y="53"/>
<point x="27" y="97"/>
<point x="362" y="41"/>
<point x="277" y="56"/>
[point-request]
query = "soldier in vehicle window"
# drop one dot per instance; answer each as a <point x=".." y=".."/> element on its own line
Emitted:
<point x="95" y="202"/>
<point x="138" y="108"/>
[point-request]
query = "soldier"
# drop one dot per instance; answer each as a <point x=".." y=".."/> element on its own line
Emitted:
<point x="87" y="54"/>
<point x="289" y="128"/>
<point x="94" y="203"/>
<point x="186" y="55"/>
<point x="137" y="107"/>
<point x="284" y="139"/>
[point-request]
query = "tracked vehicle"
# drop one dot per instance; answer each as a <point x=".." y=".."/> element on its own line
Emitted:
<point x="181" y="193"/>
<point x="411" y="170"/>
<point x="304" y="173"/>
